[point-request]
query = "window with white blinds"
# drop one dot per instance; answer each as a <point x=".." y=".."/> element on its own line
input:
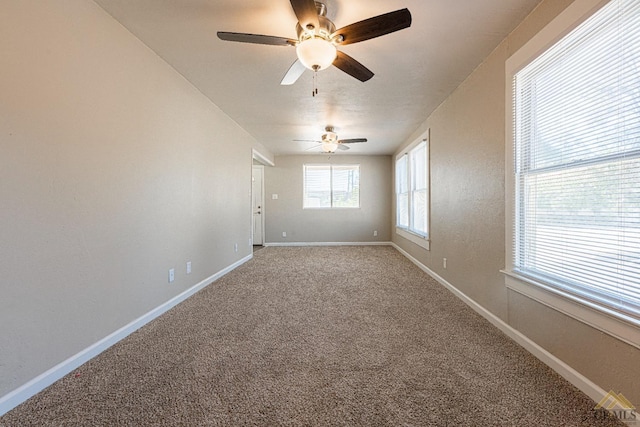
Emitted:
<point x="577" y="163"/>
<point x="412" y="192"/>
<point x="331" y="186"/>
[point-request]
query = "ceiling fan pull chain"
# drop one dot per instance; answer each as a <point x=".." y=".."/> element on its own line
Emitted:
<point x="314" y="91"/>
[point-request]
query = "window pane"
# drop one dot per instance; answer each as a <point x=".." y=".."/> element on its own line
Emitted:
<point x="402" y="192"/>
<point x="317" y="187"/>
<point x="402" y="210"/>
<point x="419" y="167"/>
<point x="402" y="178"/>
<point x="346" y="186"/>
<point x="419" y="212"/>
<point x="573" y="99"/>
<point x="585" y="231"/>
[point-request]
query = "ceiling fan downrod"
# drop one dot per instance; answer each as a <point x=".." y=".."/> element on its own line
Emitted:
<point x="321" y="8"/>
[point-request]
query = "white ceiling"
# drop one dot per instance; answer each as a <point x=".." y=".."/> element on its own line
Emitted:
<point x="415" y="68"/>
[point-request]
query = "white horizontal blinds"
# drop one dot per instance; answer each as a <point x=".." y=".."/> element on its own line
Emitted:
<point x="412" y="190"/>
<point x="345" y="186"/>
<point x="402" y="192"/>
<point x="317" y="186"/>
<point x="577" y="145"/>
<point x="419" y="194"/>
<point x="331" y="186"/>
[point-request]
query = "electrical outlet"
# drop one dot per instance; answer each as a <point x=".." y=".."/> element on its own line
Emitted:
<point x="444" y="263"/>
<point x="375" y="233"/>
<point x="188" y="267"/>
<point x="284" y="234"/>
<point x="172" y="275"/>
<point x="274" y="197"/>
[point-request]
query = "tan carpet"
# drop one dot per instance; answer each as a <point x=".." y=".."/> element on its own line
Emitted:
<point x="354" y="336"/>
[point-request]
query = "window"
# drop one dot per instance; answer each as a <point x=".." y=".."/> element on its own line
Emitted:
<point x="331" y="186"/>
<point x="575" y="178"/>
<point x="412" y="193"/>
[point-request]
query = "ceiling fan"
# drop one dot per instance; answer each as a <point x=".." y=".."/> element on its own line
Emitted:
<point x="318" y="39"/>
<point x="330" y="142"/>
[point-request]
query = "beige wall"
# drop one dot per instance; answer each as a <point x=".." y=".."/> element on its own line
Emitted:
<point x="467" y="219"/>
<point x="327" y="225"/>
<point x="113" y="169"/>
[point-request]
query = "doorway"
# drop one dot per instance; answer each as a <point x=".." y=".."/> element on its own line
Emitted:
<point x="257" y="197"/>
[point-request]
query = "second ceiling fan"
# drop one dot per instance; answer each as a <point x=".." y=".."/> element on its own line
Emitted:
<point x="318" y="40"/>
<point x="330" y="142"/>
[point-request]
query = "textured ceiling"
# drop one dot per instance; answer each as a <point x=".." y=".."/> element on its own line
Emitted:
<point x="415" y="68"/>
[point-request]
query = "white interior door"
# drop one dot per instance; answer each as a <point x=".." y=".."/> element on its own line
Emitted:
<point x="257" y="192"/>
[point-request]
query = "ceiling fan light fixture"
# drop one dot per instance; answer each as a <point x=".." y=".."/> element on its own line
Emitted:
<point x="316" y="53"/>
<point x="329" y="147"/>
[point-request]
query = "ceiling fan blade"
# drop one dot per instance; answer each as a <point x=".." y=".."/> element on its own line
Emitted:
<point x="373" y="27"/>
<point x="256" y="38"/>
<point x="306" y="13"/>
<point x="352" y="141"/>
<point x="315" y="147"/>
<point x="294" y="73"/>
<point x="342" y="147"/>
<point x="352" y="67"/>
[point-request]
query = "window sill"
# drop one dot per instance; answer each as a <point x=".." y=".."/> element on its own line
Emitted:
<point x="414" y="238"/>
<point x="332" y="208"/>
<point x="624" y="329"/>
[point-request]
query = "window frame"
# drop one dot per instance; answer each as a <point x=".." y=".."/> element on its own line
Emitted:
<point x="329" y="166"/>
<point x="615" y="324"/>
<point x="409" y="232"/>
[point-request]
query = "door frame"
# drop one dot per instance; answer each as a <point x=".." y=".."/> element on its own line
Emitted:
<point x="259" y="168"/>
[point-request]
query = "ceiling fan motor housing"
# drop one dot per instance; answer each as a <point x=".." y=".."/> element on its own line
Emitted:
<point x="326" y="27"/>
<point x="330" y="136"/>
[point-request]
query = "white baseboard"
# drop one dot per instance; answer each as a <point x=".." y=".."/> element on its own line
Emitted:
<point x="584" y="384"/>
<point x="42" y="381"/>
<point x="328" y="244"/>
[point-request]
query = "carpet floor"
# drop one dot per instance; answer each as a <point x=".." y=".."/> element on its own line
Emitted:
<point x="315" y="336"/>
